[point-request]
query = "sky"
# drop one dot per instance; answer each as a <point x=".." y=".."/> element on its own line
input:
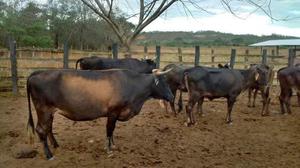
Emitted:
<point x="219" y="19"/>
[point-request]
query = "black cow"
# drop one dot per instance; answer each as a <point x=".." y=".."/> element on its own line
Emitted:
<point x="86" y="95"/>
<point x="289" y="78"/>
<point x="263" y="84"/>
<point x="98" y="63"/>
<point x="174" y="80"/>
<point x="214" y="83"/>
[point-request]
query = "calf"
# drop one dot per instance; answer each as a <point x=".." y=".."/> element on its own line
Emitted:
<point x="214" y="83"/>
<point x="116" y="94"/>
<point x="98" y="63"/>
<point x="289" y="78"/>
<point x="263" y="84"/>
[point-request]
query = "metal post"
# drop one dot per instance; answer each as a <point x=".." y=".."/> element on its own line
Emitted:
<point x="264" y="57"/>
<point x="115" y="51"/>
<point x="292" y="54"/>
<point x="66" y="55"/>
<point x="157" y="56"/>
<point x="13" y="61"/>
<point x="232" y="58"/>
<point x="197" y="55"/>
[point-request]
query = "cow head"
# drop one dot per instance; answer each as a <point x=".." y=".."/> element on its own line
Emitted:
<point x="160" y="88"/>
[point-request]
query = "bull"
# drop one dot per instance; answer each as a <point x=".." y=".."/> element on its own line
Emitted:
<point x="289" y="79"/>
<point x="98" y="63"/>
<point x="214" y="83"/>
<point x="82" y="95"/>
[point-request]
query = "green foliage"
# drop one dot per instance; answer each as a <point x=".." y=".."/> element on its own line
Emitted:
<point x="202" y="38"/>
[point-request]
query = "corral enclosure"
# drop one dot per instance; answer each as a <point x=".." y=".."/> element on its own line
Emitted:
<point x="29" y="60"/>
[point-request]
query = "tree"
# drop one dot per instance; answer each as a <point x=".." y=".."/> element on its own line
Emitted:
<point x="109" y="11"/>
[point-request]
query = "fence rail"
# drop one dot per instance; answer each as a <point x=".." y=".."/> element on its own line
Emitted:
<point x="29" y="59"/>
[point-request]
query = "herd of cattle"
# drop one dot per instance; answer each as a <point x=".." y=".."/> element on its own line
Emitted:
<point x="118" y="88"/>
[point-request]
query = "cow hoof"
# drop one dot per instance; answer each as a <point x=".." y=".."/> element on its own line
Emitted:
<point x="113" y="147"/>
<point x="110" y="154"/>
<point x="187" y="124"/>
<point x="52" y="158"/>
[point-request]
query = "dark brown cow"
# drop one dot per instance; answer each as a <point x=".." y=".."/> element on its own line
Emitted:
<point x="86" y="95"/>
<point x="263" y="84"/>
<point x="211" y="83"/>
<point x="289" y="79"/>
<point x="174" y="80"/>
<point x="99" y="63"/>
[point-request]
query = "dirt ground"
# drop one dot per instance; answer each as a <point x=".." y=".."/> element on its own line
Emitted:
<point x="155" y="138"/>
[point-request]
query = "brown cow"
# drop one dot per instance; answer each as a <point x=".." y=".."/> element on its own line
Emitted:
<point x="86" y="95"/>
<point x="289" y="78"/>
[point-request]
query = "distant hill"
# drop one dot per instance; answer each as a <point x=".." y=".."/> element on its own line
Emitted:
<point x="202" y="38"/>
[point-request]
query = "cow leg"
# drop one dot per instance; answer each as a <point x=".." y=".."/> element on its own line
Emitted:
<point x="254" y="97"/>
<point x="230" y="103"/>
<point x="266" y="101"/>
<point x="172" y="103"/>
<point x="288" y="101"/>
<point x="180" y="104"/>
<point x="110" y="126"/>
<point x="189" y="112"/>
<point x="249" y="97"/>
<point x="43" y="127"/>
<point x="199" y="107"/>
<point x="51" y="136"/>
<point x="281" y="103"/>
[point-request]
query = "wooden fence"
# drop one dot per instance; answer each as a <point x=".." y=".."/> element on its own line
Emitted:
<point x="29" y="60"/>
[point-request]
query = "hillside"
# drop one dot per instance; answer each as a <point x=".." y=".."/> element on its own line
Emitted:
<point x="202" y="38"/>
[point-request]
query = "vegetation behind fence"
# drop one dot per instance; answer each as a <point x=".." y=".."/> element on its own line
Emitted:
<point x="29" y="60"/>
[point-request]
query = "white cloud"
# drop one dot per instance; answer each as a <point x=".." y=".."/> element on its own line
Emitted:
<point x="225" y="22"/>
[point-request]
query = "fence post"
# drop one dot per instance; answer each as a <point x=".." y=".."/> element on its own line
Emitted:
<point x="145" y="52"/>
<point x="197" y="55"/>
<point x="292" y="54"/>
<point x="213" y="57"/>
<point x="273" y="55"/>
<point x="157" y="56"/>
<point x="66" y="55"/>
<point x="13" y="61"/>
<point x="232" y="58"/>
<point x="264" y="57"/>
<point x="179" y="55"/>
<point x="246" y="59"/>
<point x="115" y="50"/>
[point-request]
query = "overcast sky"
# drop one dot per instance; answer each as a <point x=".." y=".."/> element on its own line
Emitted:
<point x="175" y="19"/>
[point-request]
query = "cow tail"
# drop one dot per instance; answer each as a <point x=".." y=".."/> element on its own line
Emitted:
<point x="186" y="83"/>
<point x="79" y="60"/>
<point x="30" y="123"/>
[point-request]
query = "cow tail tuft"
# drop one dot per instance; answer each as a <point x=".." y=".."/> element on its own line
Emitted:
<point x="30" y="123"/>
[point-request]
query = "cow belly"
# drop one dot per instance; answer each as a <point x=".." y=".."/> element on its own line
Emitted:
<point x="83" y="112"/>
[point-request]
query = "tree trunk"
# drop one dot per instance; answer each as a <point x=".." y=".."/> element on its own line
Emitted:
<point x="127" y="46"/>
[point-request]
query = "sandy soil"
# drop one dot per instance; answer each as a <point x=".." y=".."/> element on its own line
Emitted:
<point x="157" y="139"/>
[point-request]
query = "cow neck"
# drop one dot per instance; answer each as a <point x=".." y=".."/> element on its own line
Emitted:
<point x="147" y="80"/>
<point x="247" y="75"/>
